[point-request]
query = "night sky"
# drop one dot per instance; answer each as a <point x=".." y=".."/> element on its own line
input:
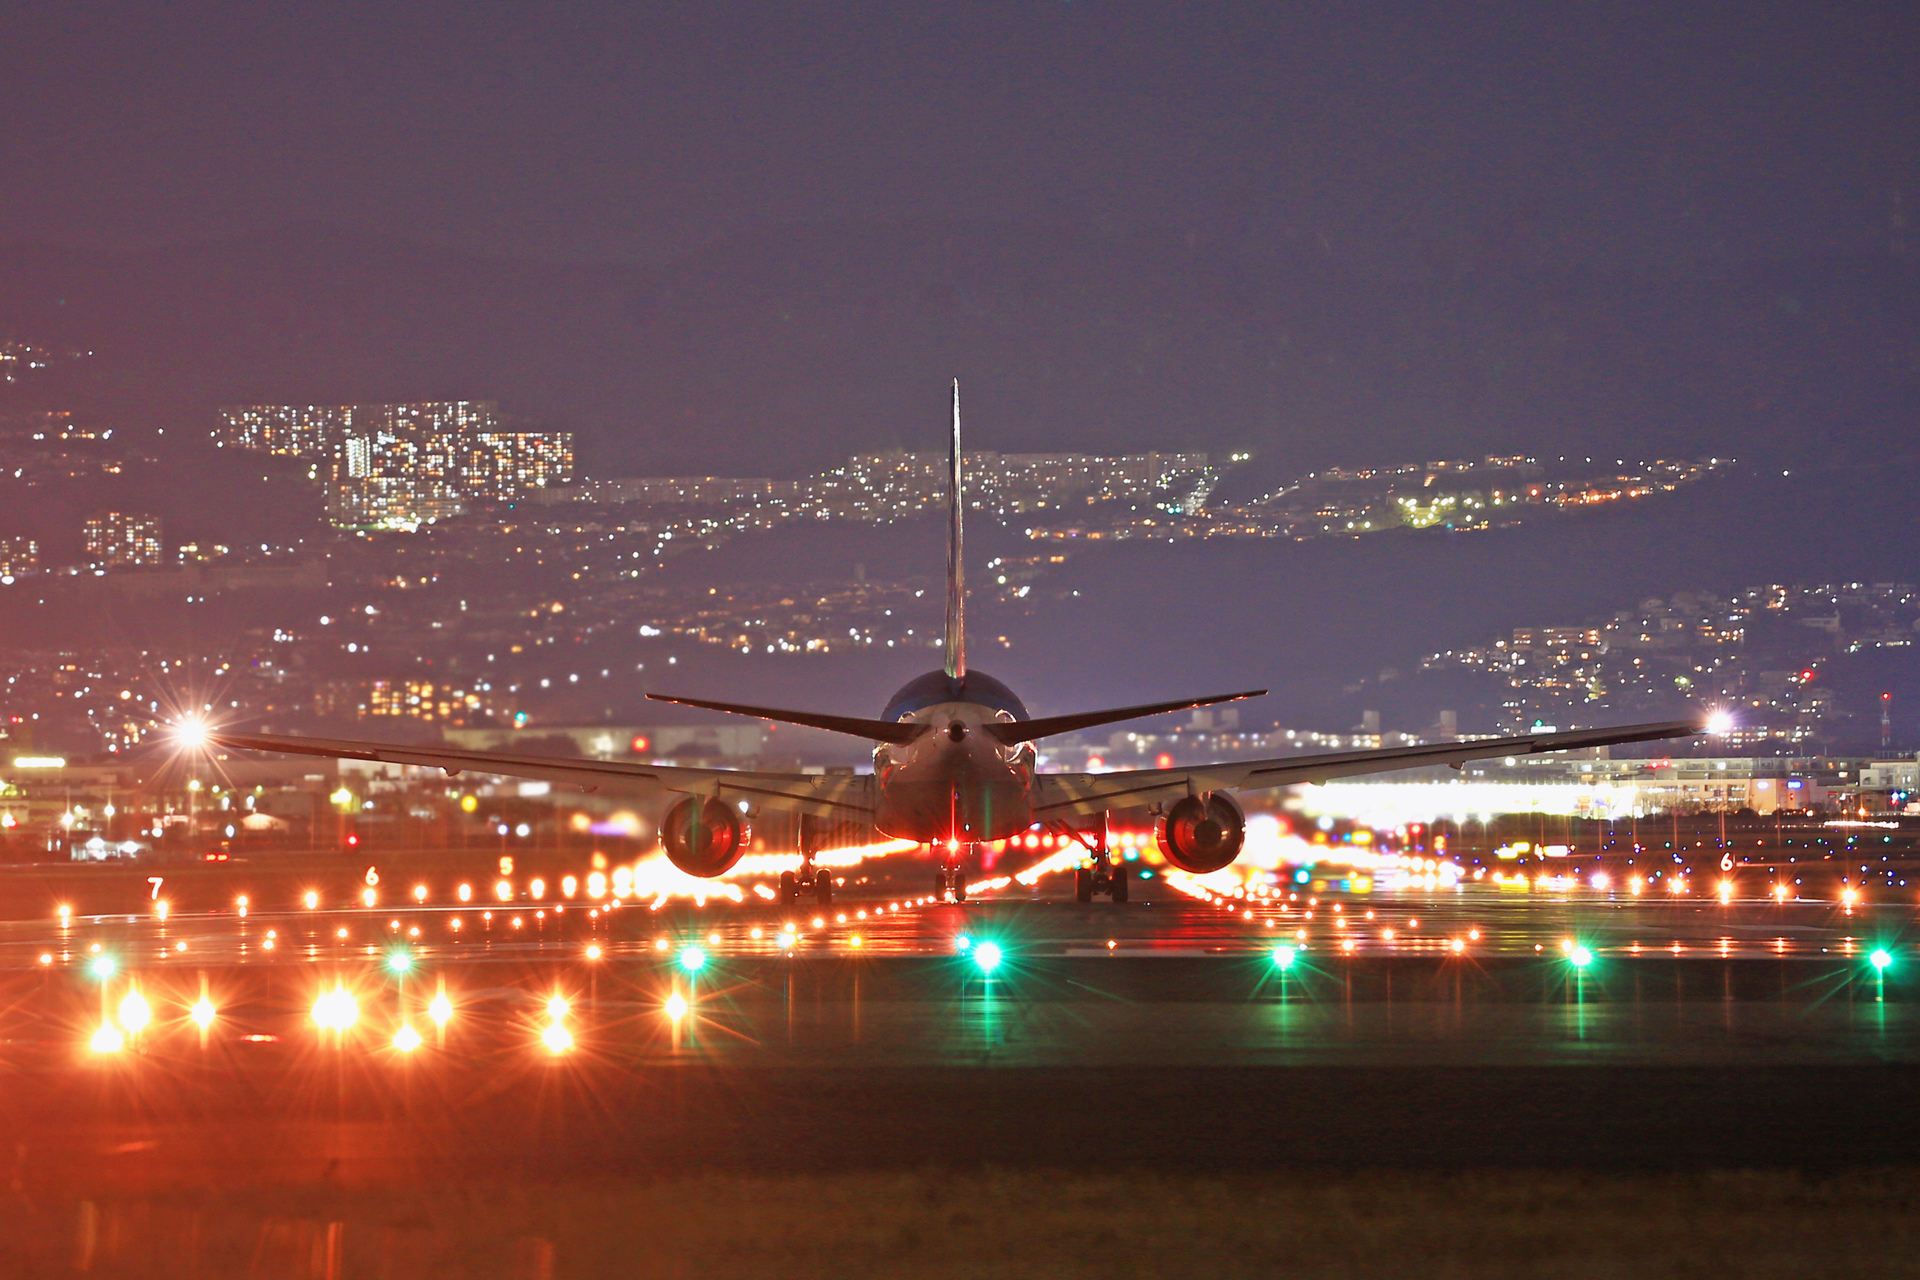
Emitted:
<point x="1395" y="135"/>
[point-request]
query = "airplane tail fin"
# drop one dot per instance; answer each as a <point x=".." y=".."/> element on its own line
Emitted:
<point x="956" y="574"/>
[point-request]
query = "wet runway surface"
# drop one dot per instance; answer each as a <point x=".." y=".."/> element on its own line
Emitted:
<point x="1475" y="1026"/>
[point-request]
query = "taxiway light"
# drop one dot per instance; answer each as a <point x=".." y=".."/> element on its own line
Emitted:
<point x="1880" y="959"/>
<point x="108" y="1039"/>
<point x="593" y="952"/>
<point x="46" y="957"/>
<point x="441" y="1009"/>
<point x="419" y="893"/>
<point x="557" y="1038"/>
<point x="693" y="959"/>
<point x="676" y="1006"/>
<point x="1283" y="957"/>
<point x="135" y="1013"/>
<point x="406" y="1039"/>
<point x="202" y="1013"/>
<point x="1581" y="957"/>
<point x="399" y="961"/>
<point x="103" y="966"/>
<point x="987" y="956"/>
<point x="558" y="1008"/>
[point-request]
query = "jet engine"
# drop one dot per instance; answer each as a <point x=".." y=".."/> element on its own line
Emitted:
<point x="1203" y="833"/>
<point x="703" y="837"/>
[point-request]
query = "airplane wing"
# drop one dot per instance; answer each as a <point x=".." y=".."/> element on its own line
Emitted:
<point x="846" y="796"/>
<point x="1059" y="795"/>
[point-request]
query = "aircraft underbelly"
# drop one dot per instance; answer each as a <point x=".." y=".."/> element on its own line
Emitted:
<point x="956" y="803"/>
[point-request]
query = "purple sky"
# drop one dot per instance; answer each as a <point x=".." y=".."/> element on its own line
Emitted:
<point x="1617" y="133"/>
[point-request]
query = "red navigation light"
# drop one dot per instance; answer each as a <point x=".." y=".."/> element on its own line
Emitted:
<point x="1163" y="761"/>
<point x="641" y="744"/>
<point x="353" y="840"/>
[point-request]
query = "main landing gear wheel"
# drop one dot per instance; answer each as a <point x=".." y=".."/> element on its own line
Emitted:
<point x="789" y="888"/>
<point x="1083" y="884"/>
<point x="959" y="887"/>
<point x="1118" y="889"/>
<point x="823" y="888"/>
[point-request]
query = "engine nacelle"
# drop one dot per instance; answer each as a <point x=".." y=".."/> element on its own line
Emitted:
<point x="703" y="837"/>
<point x="1201" y="834"/>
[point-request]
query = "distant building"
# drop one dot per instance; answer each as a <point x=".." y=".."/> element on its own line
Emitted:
<point x="18" y="557"/>
<point x="399" y="466"/>
<point x="121" y="540"/>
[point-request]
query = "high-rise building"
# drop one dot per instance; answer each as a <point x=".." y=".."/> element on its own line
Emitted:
<point x="123" y="540"/>
<point x="403" y="465"/>
<point x="18" y="557"/>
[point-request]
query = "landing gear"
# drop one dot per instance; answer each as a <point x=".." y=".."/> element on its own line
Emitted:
<point x="950" y="882"/>
<point x="1104" y="875"/>
<point x="809" y="878"/>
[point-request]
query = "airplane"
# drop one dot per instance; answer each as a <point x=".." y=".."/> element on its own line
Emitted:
<point x="953" y="769"/>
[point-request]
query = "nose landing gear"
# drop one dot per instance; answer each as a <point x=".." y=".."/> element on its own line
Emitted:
<point x="950" y="879"/>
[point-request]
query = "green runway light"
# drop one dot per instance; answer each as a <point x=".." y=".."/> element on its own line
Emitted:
<point x="962" y="942"/>
<point x="1283" y="957"/>
<point x="1880" y="959"/>
<point x="987" y="956"/>
<point x="103" y="966"/>
<point x="399" y="961"/>
<point x="693" y="959"/>
<point x="1581" y="957"/>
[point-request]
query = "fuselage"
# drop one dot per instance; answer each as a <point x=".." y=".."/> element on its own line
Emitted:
<point x="954" y="784"/>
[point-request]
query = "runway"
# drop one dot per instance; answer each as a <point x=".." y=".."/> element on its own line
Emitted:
<point x="1489" y="1028"/>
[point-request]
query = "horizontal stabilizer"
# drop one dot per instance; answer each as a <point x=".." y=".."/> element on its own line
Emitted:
<point x="873" y="730"/>
<point x="1027" y="730"/>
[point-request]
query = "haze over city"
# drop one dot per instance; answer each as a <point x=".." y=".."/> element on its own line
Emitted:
<point x="532" y="537"/>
